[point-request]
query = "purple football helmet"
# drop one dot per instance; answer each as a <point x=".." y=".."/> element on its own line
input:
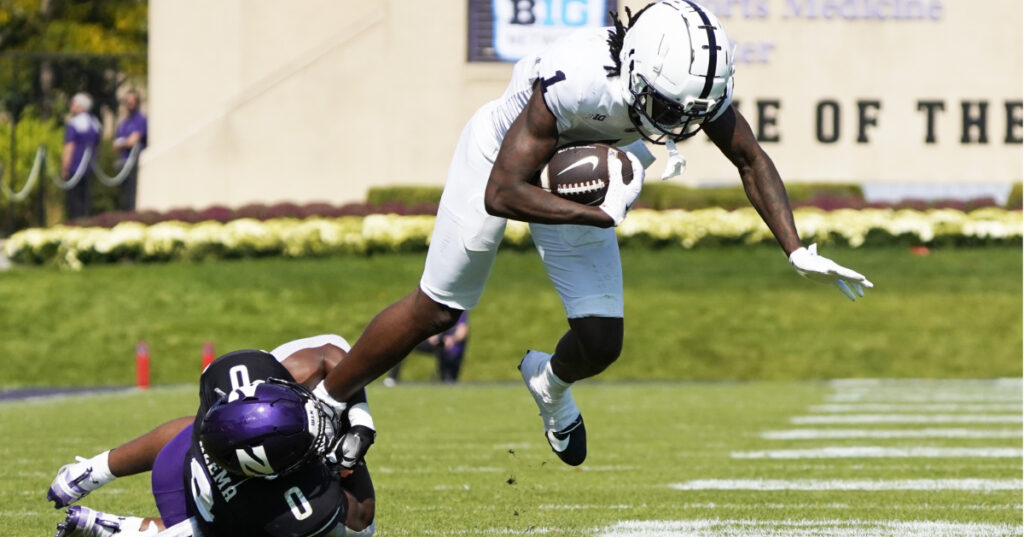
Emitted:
<point x="267" y="429"/>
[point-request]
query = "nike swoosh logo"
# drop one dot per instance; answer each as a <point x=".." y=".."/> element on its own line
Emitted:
<point x="592" y="160"/>
<point x="558" y="444"/>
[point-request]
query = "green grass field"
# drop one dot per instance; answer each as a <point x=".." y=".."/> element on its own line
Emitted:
<point x="729" y="313"/>
<point x="921" y="459"/>
<point x="767" y="449"/>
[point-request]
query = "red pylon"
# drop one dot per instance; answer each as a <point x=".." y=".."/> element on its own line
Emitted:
<point x="142" y="365"/>
<point x="208" y="355"/>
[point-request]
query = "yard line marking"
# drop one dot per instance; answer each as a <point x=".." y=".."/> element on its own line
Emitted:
<point x="984" y="485"/>
<point x="1009" y="382"/>
<point x="924" y="397"/>
<point x="866" y="452"/>
<point x="927" y="391"/>
<point x="805" y="528"/>
<point x="904" y="418"/>
<point x="823" y="434"/>
<point x="574" y="507"/>
<point x="819" y="506"/>
<point x="917" y="407"/>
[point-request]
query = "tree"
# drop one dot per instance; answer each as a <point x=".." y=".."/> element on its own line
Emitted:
<point x="51" y="49"/>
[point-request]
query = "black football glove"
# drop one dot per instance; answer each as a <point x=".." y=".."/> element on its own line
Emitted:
<point x="354" y="445"/>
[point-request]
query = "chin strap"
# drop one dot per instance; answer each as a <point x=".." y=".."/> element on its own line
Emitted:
<point x="676" y="164"/>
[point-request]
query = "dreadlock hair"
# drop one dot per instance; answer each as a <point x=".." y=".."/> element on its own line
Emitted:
<point x="616" y="36"/>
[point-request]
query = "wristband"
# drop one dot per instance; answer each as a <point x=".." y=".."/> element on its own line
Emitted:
<point x="359" y="414"/>
<point x="321" y="393"/>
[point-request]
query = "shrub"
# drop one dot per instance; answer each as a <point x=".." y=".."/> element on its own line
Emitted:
<point x="1014" y="201"/>
<point x="660" y="196"/>
<point x="406" y="195"/>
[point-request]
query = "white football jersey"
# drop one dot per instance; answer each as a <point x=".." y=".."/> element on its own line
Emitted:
<point x="588" y="106"/>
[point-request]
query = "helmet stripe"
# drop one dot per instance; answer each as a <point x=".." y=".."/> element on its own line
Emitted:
<point x="709" y="79"/>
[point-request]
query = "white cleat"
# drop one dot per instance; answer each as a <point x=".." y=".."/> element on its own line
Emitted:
<point x="72" y="483"/>
<point x="85" y="522"/>
<point x="563" y="423"/>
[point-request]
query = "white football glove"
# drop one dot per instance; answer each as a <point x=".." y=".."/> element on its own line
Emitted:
<point x="620" y="196"/>
<point x="814" y="267"/>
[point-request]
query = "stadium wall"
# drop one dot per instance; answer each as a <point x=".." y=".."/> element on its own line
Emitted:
<point x="317" y="100"/>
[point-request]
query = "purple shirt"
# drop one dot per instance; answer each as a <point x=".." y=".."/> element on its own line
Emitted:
<point x="82" y="130"/>
<point x="135" y="123"/>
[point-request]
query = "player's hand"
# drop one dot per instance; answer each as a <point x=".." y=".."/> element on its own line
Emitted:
<point x="621" y="196"/>
<point x="821" y="269"/>
<point x="354" y="445"/>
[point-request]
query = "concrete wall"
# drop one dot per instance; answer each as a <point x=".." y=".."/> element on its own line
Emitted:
<point x="316" y="100"/>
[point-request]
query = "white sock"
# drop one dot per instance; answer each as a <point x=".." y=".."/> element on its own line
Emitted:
<point x="100" y="464"/>
<point x="555" y="386"/>
<point x="131" y="526"/>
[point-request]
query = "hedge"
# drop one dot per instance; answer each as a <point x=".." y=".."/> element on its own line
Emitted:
<point x="353" y="235"/>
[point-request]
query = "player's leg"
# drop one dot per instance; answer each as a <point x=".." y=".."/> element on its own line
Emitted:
<point x="462" y="249"/>
<point x="584" y="266"/>
<point x="387" y="340"/>
<point x="589" y="346"/>
<point x="79" y="478"/>
<point x="450" y="361"/>
<point x="166" y="480"/>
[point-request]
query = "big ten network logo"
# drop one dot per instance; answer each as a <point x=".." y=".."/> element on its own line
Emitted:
<point x="524" y="27"/>
<point x="569" y="13"/>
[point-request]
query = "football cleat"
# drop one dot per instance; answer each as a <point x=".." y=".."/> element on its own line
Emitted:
<point x="73" y="482"/>
<point x="569" y="442"/>
<point x="85" y="522"/>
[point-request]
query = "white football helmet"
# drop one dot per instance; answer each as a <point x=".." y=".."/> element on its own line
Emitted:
<point x="677" y="68"/>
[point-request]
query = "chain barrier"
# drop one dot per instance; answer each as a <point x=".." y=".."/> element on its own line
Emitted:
<point x="72" y="182"/>
<point x="33" y="176"/>
<point x="126" y="169"/>
<point x="40" y="167"/>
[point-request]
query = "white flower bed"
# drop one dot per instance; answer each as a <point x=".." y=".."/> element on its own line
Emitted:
<point x="289" y="237"/>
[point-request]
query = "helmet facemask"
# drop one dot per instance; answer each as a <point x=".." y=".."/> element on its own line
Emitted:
<point x="660" y="119"/>
<point x="322" y="423"/>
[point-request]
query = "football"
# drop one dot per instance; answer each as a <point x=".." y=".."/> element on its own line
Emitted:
<point x="580" y="172"/>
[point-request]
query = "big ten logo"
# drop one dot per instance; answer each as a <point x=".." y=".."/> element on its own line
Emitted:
<point x="556" y="12"/>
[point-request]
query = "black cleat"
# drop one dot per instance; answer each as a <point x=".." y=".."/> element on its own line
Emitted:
<point x="570" y="444"/>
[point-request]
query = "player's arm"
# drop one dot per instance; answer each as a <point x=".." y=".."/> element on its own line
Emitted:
<point x="761" y="180"/>
<point x="65" y="159"/>
<point x="127" y="142"/>
<point x="309" y="366"/>
<point x="526" y="148"/>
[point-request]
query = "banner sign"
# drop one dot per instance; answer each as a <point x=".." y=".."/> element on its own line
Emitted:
<point x="506" y="30"/>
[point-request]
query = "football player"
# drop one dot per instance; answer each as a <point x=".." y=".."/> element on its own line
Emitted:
<point x="262" y="457"/>
<point x="660" y="77"/>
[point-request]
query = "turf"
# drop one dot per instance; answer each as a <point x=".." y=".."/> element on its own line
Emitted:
<point x="470" y="460"/>
<point x="729" y="313"/>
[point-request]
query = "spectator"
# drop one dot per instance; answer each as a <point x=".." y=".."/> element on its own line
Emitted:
<point x="449" y="347"/>
<point x="82" y="133"/>
<point x="131" y="132"/>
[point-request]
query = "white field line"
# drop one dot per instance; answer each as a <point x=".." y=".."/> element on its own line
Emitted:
<point x="984" y="485"/>
<point x="846" y="419"/>
<point x="821" y="434"/>
<point x="917" y="407"/>
<point x="819" y="506"/>
<point x="1005" y="382"/>
<point x="579" y="506"/>
<point x="804" y="528"/>
<point x="999" y="396"/>
<point x="875" y="452"/>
